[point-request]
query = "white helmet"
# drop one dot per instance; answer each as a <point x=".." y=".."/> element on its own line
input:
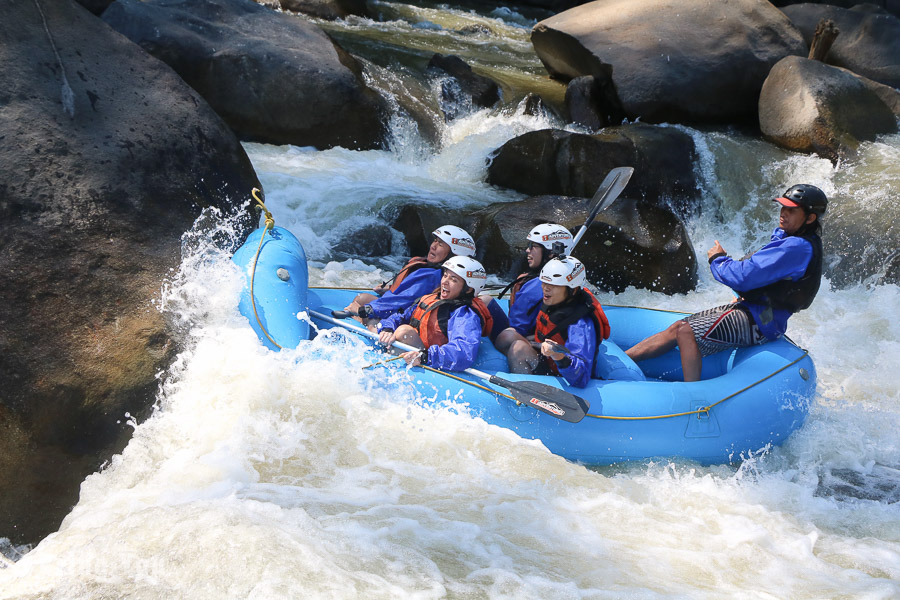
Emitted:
<point x="547" y="233"/>
<point x="469" y="269"/>
<point x="460" y="242"/>
<point x="567" y="271"/>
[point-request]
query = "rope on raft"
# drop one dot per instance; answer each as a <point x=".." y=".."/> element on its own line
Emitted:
<point x="705" y="409"/>
<point x="270" y="223"/>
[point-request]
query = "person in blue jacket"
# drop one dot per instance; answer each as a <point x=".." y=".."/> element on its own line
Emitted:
<point x="545" y="242"/>
<point x="570" y="326"/>
<point x="773" y="283"/>
<point x="447" y="324"/>
<point x="418" y="277"/>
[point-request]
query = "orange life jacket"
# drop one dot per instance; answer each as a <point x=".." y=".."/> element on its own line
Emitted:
<point x="583" y="304"/>
<point x="431" y="316"/>
<point x="417" y="262"/>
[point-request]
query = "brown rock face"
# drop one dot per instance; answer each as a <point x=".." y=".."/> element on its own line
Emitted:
<point x="809" y="106"/>
<point x="106" y="158"/>
<point x="672" y="60"/>
<point x="574" y="164"/>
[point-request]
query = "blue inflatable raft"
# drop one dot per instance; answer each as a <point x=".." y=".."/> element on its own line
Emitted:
<point x="748" y="399"/>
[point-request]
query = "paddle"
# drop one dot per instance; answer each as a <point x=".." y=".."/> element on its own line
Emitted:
<point x="545" y="398"/>
<point x="606" y="194"/>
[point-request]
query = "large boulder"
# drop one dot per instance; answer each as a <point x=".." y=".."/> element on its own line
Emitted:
<point x="868" y="43"/>
<point x="326" y="9"/>
<point x="808" y="106"/>
<point x="107" y="157"/>
<point x="574" y="164"/>
<point x="672" y="60"/>
<point x="631" y="243"/>
<point x="273" y="77"/>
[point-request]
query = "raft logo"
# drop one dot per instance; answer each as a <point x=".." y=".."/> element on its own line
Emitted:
<point x="477" y="274"/>
<point x="578" y="270"/>
<point x="465" y="243"/>
<point x="556" y="235"/>
<point x="551" y="407"/>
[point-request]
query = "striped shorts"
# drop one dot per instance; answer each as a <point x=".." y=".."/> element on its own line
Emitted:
<point x="724" y="327"/>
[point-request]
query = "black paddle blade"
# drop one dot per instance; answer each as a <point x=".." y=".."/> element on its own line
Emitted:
<point x="546" y="398"/>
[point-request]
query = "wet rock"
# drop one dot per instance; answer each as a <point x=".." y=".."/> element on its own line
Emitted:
<point x="630" y="244"/>
<point x="274" y="78"/>
<point x="868" y="43"/>
<point x="327" y="9"/>
<point x="95" y="6"/>
<point x="368" y="241"/>
<point x="107" y="157"/>
<point x="808" y="106"/>
<point x="574" y="164"/>
<point x="592" y="102"/>
<point x="692" y="61"/>
<point x="462" y="88"/>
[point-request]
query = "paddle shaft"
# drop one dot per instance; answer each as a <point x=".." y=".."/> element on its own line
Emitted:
<point x="553" y="401"/>
<point x="606" y="194"/>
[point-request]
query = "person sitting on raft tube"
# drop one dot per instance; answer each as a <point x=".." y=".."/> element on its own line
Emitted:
<point x="776" y="281"/>
<point x="446" y="324"/>
<point x="419" y="276"/>
<point x="545" y="242"/>
<point x="571" y="317"/>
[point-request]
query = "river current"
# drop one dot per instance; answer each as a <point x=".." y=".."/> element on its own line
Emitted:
<point x="290" y="475"/>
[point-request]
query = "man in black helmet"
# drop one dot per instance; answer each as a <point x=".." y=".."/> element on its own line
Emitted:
<point x="773" y="283"/>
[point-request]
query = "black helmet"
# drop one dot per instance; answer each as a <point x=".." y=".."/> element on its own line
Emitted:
<point x="808" y="197"/>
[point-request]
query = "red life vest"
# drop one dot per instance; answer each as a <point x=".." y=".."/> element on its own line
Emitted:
<point x="581" y="305"/>
<point x="431" y="316"/>
<point x="417" y="262"/>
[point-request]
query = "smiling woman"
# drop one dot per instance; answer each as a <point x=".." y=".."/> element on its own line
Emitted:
<point x="446" y="324"/>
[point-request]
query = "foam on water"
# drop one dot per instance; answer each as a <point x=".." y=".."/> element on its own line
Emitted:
<point x="299" y="474"/>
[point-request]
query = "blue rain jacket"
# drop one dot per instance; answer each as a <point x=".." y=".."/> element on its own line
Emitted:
<point x="581" y="341"/>
<point x="415" y="285"/>
<point x="463" y="331"/>
<point x="785" y="256"/>
<point x="524" y="311"/>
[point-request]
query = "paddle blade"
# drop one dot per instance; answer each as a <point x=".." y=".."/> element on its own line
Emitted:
<point x="610" y="188"/>
<point x="546" y="398"/>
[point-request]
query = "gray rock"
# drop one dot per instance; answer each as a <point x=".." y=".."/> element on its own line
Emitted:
<point x="592" y="103"/>
<point x="273" y="77"/>
<point x="675" y="61"/>
<point x="574" y="164"/>
<point x="106" y="158"/>
<point x="326" y="9"/>
<point x="808" y="106"/>
<point x="630" y="244"/>
<point x="868" y="43"/>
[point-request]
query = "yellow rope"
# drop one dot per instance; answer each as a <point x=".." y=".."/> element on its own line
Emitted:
<point x="705" y="409"/>
<point x="382" y="362"/>
<point x="270" y="223"/>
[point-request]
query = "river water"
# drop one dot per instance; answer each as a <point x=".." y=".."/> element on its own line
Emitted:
<point x="290" y="475"/>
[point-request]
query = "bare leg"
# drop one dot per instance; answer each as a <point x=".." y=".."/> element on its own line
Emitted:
<point x="521" y="357"/>
<point x="655" y="345"/>
<point x="409" y="335"/>
<point x="361" y="300"/>
<point x="678" y="334"/>
<point x="691" y="361"/>
<point x="506" y="338"/>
